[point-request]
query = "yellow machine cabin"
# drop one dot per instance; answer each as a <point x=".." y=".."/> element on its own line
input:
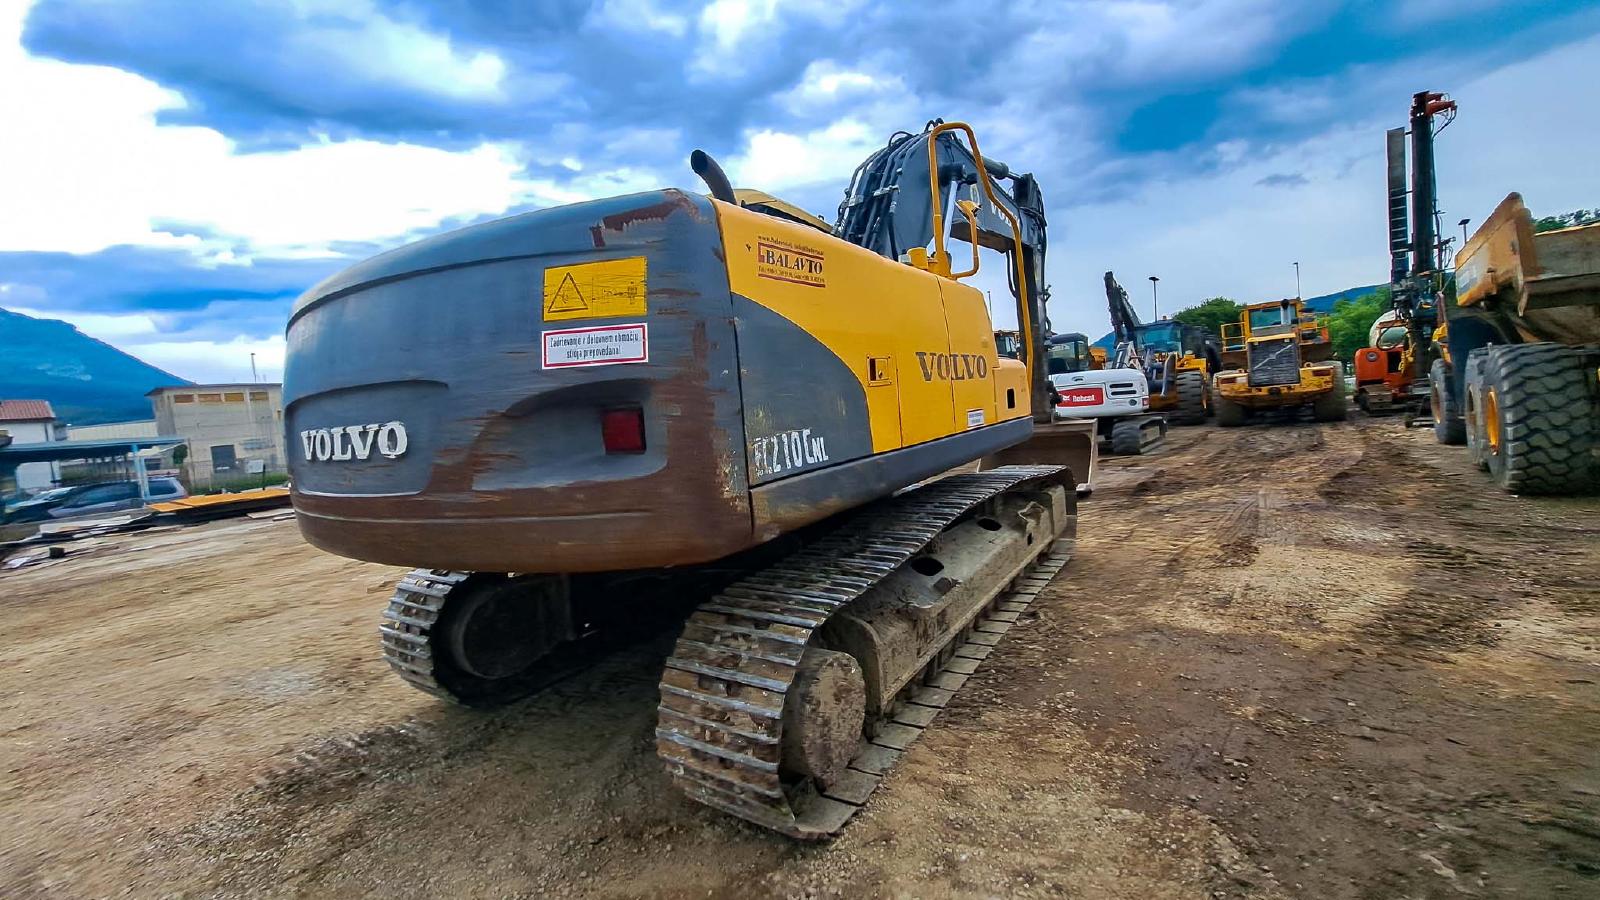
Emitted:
<point x="1277" y="357"/>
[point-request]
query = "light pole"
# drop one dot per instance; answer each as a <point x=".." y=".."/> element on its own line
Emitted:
<point x="1463" y="224"/>
<point x="1155" y="302"/>
<point x="1297" y="281"/>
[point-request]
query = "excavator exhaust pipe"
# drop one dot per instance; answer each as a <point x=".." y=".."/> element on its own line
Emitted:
<point x="711" y="173"/>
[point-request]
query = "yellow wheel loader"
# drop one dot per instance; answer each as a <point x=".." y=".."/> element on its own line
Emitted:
<point x="1277" y="358"/>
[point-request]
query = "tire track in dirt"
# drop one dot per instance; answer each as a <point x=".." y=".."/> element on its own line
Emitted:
<point x="1357" y="730"/>
<point x="1283" y="663"/>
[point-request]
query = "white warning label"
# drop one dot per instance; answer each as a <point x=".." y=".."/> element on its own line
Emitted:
<point x="600" y="346"/>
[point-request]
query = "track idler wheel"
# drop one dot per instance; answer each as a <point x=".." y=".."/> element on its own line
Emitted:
<point x="479" y="639"/>
<point x="500" y="629"/>
<point x="823" y="716"/>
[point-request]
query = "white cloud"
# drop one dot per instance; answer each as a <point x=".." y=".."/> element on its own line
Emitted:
<point x="734" y="31"/>
<point x="214" y="361"/>
<point x="113" y="328"/>
<point x="728" y="21"/>
<point x="1224" y="234"/>
<point x="97" y="170"/>
<point x="776" y="160"/>
<point x="1134" y="41"/>
<point x="825" y="83"/>
<point x="355" y="36"/>
<point x="638" y="15"/>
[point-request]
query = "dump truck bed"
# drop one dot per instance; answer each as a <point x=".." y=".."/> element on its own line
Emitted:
<point x="1551" y="279"/>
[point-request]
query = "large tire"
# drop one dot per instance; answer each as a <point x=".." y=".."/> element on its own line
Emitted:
<point x="1333" y="406"/>
<point x="1472" y="410"/>
<point x="1448" y="425"/>
<point x="1190" y="387"/>
<point x="1229" y="413"/>
<point x="1539" y="418"/>
<point x="1125" y="437"/>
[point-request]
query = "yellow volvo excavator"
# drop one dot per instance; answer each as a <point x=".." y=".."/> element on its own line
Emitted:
<point x="568" y="417"/>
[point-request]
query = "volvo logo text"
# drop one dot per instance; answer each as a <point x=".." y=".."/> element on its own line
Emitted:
<point x="354" y="441"/>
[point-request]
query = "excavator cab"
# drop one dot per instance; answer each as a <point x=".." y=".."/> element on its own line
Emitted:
<point x="1066" y="353"/>
<point x="1177" y="359"/>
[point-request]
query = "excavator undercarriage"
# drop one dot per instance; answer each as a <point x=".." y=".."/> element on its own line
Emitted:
<point x="795" y="687"/>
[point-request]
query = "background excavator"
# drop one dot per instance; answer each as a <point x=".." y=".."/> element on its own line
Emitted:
<point x="1384" y="369"/>
<point x="1117" y="400"/>
<point x="568" y="417"/>
<point x="1177" y="359"/>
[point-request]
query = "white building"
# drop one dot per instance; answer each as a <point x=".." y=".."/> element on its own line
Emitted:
<point x="31" y="422"/>
<point x="112" y="431"/>
<point x="227" y="426"/>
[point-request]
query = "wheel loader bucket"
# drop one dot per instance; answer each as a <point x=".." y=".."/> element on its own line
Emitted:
<point x="1069" y="442"/>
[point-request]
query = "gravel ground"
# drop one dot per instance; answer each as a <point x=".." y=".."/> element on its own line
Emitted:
<point x="1318" y="661"/>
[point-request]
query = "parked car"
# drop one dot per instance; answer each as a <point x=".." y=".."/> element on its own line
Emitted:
<point x="86" y="500"/>
<point x="44" y="496"/>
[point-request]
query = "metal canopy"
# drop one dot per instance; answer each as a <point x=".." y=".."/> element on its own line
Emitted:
<point x="56" y="451"/>
<point x="13" y="455"/>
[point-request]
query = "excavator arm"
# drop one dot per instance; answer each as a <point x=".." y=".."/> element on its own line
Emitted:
<point x="1124" y="321"/>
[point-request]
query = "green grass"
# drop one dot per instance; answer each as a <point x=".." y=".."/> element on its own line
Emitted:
<point x="246" y="483"/>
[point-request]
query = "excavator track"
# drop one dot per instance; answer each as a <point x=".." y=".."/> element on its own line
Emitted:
<point x="408" y="622"/>
<point x="724" y="689"/>
<point x="413" y="612"/>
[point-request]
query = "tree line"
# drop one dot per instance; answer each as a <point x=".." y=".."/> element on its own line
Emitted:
<point x="1350" y="321"/>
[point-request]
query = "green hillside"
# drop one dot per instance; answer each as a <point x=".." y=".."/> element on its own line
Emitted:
<point x="89" y="382"/>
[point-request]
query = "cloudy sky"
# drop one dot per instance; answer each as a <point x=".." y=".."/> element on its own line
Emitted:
<point x="173" y="173"/>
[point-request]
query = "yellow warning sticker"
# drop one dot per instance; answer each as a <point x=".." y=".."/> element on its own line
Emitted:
<point x="597" y="290"/>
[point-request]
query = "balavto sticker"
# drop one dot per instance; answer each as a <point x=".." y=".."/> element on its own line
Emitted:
<point x="789" y="261"/>
<point x="974" y="418"/>
<point x="597" y="290"/>
<point x="601" y="345"/>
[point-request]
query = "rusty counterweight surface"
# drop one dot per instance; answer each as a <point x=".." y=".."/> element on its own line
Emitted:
<point x="503" y="469"/>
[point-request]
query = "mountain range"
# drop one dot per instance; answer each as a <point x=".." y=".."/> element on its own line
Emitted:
<point x="88" y="382"/>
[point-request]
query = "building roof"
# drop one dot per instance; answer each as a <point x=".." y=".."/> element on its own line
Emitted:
<point x="17" y="454"/>
<point x="26" y="411"/>
<point x="252" y="385"/>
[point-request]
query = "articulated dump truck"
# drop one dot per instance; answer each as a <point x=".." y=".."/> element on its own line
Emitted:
<point x="568" y="417"/>
<point x="1518" y="352"/>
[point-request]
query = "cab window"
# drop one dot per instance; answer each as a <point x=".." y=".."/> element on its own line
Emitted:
<point x="1162" y="337"/>
<point x="1068" y="356"/>
<point x="1267" y="317"/>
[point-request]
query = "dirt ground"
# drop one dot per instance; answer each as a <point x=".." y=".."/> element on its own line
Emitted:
<point x="1286" y="662"/>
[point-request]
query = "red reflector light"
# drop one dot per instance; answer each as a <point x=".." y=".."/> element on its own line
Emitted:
<point x="622" y="430"/>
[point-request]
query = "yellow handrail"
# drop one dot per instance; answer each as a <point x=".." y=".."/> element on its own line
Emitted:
<point x="941" y="256"/>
